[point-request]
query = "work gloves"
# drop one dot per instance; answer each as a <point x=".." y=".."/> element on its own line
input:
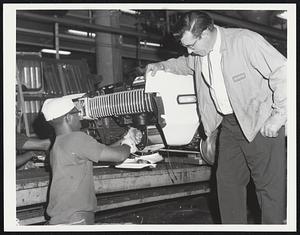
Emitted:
<point x="132" y="138"/>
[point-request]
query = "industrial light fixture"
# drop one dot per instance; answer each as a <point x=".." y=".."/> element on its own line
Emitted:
<point x="81" y="33"/>
<point x="132" y="12"/>
<point x="153" y="44"/>
<point x="282" y="15"/>
<point x="51" y="51"/>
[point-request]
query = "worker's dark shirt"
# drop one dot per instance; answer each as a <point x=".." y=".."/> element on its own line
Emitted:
<point x="72" y="188"/>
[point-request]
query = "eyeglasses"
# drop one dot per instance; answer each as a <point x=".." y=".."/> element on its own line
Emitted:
<point x="74" y="112"/>
<point x="79" y="113"/>
<point x="191" y="46"/>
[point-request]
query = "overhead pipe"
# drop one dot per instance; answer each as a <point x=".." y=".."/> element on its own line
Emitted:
<point x="85" y="26"/>
<point x="259" y="28"/>
<point x="56" y="32"/>
<point x="50" y="34"/>
<point x="262" y="29"/>
<point x="88" y="41"/>
<point x="60" y="72"/>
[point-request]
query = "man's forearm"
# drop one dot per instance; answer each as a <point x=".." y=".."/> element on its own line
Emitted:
<point x="21" y="159"/>
<point x="37" y="144"/>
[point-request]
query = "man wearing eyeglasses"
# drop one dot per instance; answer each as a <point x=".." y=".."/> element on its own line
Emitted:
<point x="72" y="197"/>
<point x="241" y="86"/>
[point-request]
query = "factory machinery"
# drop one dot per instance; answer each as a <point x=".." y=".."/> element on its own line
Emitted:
<point x="164" y="109"/>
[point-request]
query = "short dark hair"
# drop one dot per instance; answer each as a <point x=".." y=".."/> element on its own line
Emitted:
<point x="195" y="22"/>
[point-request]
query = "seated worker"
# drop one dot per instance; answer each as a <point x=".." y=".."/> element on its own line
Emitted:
<point x="72" y="198"/>
<point x="27" y="147"/>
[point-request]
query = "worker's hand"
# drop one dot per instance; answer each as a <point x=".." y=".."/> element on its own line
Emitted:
<point x="135" y="134"/>
<point x="208" y="147"/>
<point x="154" y="68"/>
<point x="128" y="141"/>
<point x="272" y="126"/>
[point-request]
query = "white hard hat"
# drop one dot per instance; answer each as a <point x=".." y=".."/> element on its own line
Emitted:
<point x="57" y="107"/>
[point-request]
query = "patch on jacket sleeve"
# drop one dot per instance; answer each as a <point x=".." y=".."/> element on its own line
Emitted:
<point x="239" y="77"/>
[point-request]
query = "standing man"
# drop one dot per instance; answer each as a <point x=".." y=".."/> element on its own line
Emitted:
<point x="241" y="84"/>
<point x="72" y="197"/>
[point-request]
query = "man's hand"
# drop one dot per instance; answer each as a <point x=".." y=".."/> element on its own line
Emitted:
<point x="154" y="68"/>
<point x="128" y="141"/>
<point x="132" y="138"/>
<point x="208" y="147"/>
<point x="21" y="159"/>
<point x="134" y="134"/>
<point x="272" y="126"/>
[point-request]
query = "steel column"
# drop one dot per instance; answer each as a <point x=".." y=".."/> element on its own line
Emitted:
<point x="108" y="48"/>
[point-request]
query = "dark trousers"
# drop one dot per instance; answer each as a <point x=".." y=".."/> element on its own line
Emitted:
<point x="263" y="159"/>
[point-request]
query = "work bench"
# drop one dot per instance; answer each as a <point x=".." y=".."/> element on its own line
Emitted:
<point x="115" y="188"/>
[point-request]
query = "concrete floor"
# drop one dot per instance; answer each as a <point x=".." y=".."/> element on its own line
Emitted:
<point x="181" y="211"/>
<point x="189" y="210"/>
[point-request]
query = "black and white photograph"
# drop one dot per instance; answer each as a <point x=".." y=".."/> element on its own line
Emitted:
<point x="149" y="117"/>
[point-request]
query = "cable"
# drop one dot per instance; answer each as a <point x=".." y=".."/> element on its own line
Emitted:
<point x="171" y="167"/>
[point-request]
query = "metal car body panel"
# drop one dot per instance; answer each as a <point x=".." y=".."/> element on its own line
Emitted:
<point x="181" y="120"/>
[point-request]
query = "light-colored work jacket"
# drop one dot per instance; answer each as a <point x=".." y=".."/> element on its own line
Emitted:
<point x="255" y="79"/>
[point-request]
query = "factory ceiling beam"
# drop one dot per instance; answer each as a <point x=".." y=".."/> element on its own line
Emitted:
<point x="148" y="53"/>
<point x="85" y="26"/>
<point x="259" y="28"/>
<point x="128" y="51"/>
<point x="224" y="19"/>
<point x="51" y="34"/>
<point x="49" y="45"/>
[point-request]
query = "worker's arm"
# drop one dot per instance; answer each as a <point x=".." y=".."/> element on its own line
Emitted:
<point x="118" y="151"/>
<point x="115" y="154"/>
<point x="87" y="147"/>
<point x="182" y="65"/>
<point x="272" y="65"/>
<point x="21" y="159"/>
<point x="37" y="144"/>
<point x="122" y="149"/>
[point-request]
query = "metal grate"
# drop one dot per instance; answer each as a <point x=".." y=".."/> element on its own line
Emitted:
<point x="119" y="103"/>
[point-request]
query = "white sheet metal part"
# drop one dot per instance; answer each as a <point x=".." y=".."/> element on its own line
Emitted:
<point x="181" y="120"/>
